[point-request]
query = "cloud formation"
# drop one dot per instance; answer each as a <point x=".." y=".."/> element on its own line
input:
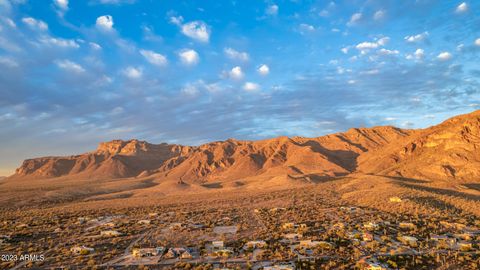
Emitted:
<point x="197" y="30"/>
<point x="236" y="55"/>
<point x="105" y="22"/>
<point x="154" y="58"/>
<point x="263" y="70"/>
<point x="189" y="57"/>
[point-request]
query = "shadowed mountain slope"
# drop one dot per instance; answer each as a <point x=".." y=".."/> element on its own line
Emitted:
<point x="446" y="151"/>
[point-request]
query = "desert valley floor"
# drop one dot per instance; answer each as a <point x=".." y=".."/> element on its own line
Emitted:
<point x="346" y="222"/>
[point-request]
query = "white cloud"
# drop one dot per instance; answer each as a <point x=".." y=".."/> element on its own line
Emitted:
<point x="95" y="46"/>
<point x="444" y="56"/>
<point x="417" y="38"/>
<point x="236" y="73"/>
<point x="189" y="57"/>
<point x="62" y="4"/>
<point x="418" y="54"/>
<point x="154" y="58"/>
<point x="263" y="70"/>
<point x="272" y="10"/>
<point x="133" y="73"/>
<point x="250" y="86"/>
<point x="197" y="30"/>
<point x="305" y="28"/>
<point x="35" y="24"/>
<point x="364" y="47"/>
<point x="383" y="41"/>
<point x="345" y="50"/>
<point x="355" y="18"/>
<point x="177" y="20"/>
<point x="236" y="55"/>
<point x="59" y="42"/>
<point x="70" y="66"/>
<point x="367" y="45"/>
<point x="9" y="22"/>
<point x="388" y="52"/>
<point x="462" y="8"/>
<point x="379" y="15"/>
<point x="105" y="22"/>
<point x="477" y="42"/>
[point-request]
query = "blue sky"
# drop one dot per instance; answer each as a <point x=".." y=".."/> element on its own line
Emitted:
<point x="75" y="73"/>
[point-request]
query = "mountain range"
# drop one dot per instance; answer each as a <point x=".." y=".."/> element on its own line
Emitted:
<point x="448" y="151"/>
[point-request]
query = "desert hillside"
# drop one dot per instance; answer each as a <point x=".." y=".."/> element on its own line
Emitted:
<point x="447" y="151"/>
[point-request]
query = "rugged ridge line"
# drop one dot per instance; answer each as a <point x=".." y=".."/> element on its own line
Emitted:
<point x="446" y="151"/>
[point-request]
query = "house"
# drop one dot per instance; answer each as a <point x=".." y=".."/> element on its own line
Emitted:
<point x="4" y="239"/>
<point x="255" y="244"/>
<point x="152" y="214"/>
<point x="176" y="226"/>
<point x="82" y="220"/>
<point x="225" y="252"/>
<point x="312" y="244"/>
<point x="144" y="221"/>
<point x="292" y="237"/>
<point x="280" y="267"/>
<point x="395" y="199"/>
<point x="338" y="226"/>
<point x="275" y="209"/>
<point x="464" y="246"/>
<point x="182" y="253"/>
<point x="82" y="250"/>
<point x="197" y="226"/>
<point x="301" y="226"/>
<point x="464" y="236"/>
<point x="217" y="245"/>
<point x="375" y="266"/>
<point x="372" y="264"/>
<point x="371" y="226"/>
<point x="348" y="209"/>
<point x="367" y="237"/>
<point x="354" y="235"/>
<point x="148" y="252"/>
<point x="288" y="225"/>
<point x="407" y="225"/>
<point x="443" y="241"/>
<point x="408" y="240"/>
<point x="110" y="233"/>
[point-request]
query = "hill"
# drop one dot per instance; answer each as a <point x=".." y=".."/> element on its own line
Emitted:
<point x="449" y="151"/>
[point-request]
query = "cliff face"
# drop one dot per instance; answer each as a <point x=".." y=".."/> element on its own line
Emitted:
<point x="115" y="159"/>
<point x="450" y="150"/>
<point x="447" y="151"/>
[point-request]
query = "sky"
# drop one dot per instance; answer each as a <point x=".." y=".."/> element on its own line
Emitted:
<point x="76" y="73"/>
